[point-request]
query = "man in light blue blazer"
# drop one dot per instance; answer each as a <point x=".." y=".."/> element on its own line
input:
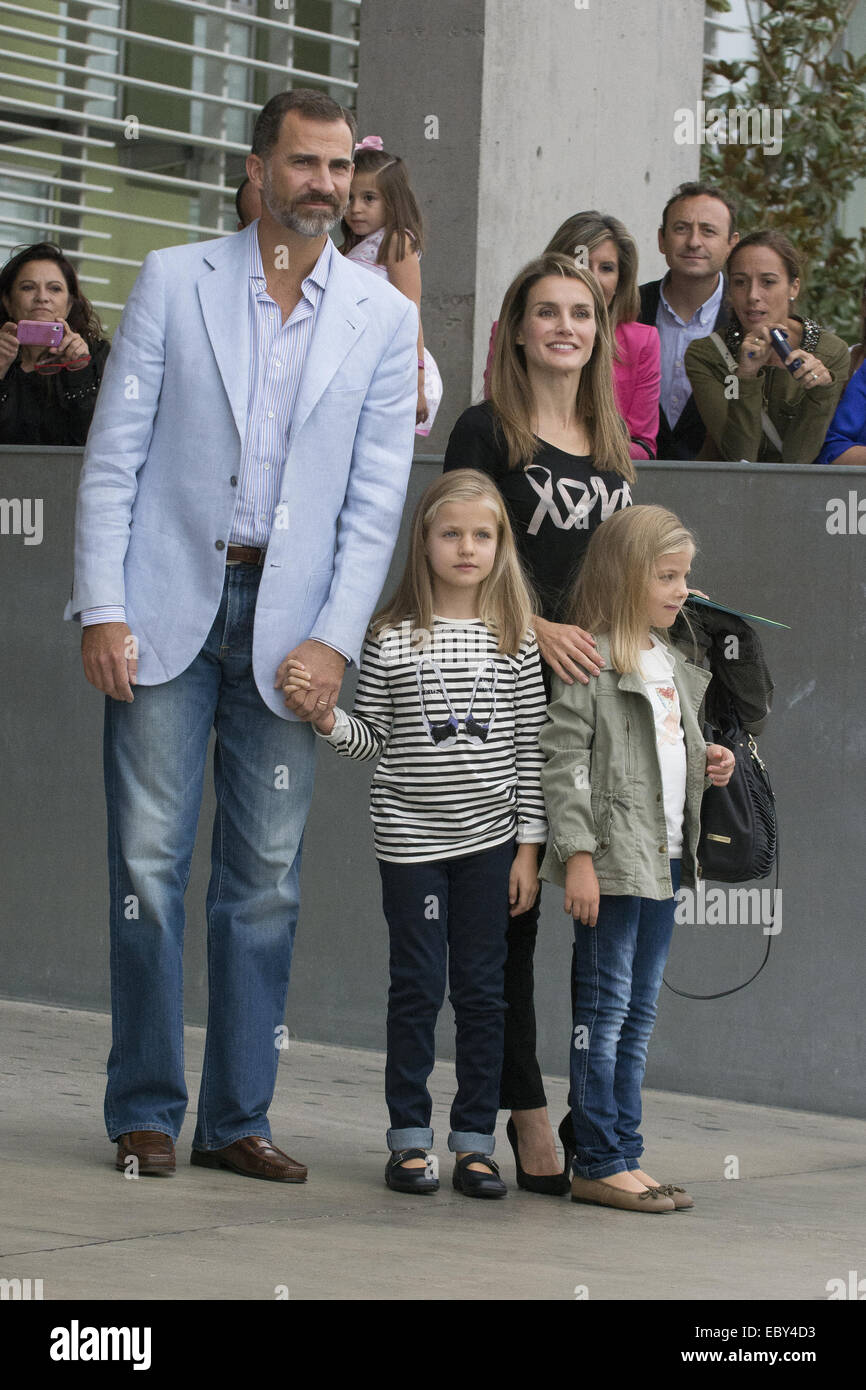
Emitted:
<point x="239" y="502"/>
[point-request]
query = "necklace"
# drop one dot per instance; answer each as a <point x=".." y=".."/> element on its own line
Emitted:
<point x="734" y="334"/>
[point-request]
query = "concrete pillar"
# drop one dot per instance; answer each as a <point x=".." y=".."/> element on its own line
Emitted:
<point x="512" y="115"/>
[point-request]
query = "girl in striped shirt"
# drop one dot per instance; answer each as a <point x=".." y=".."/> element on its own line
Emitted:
<point x="451" y="700"/>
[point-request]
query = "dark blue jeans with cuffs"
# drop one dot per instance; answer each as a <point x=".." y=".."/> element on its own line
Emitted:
<point x="447" y="920"/>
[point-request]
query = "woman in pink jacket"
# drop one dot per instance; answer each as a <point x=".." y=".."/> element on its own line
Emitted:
<point x="602" y="244"/>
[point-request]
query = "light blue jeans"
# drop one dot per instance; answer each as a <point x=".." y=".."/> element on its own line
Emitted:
<point x="155" y="751"/>
<point x="618" y="965"/>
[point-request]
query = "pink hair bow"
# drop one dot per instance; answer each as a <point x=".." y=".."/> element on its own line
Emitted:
<point x="370" y="142"/>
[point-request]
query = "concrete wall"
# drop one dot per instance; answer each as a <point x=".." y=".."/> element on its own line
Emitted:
<point x="793" y="1038"/>
<point x="420" y="79"/>
<point x="542" y="109"/>
<point x="577" y="113"/>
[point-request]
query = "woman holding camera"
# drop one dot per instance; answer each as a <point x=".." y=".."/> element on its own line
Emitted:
<point x="761" y="402"/>
<point x="52" y="350"/>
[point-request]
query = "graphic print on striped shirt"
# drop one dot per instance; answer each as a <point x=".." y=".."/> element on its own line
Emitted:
<point x="454" y="724"/>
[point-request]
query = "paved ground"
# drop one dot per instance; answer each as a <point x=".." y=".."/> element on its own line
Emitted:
<point x="793" y="1220"/>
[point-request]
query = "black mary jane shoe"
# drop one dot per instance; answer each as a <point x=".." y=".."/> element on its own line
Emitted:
<point x="548" y="1184"/>
<point x="474" y="1184"/>
<point x="414" y="1180"/>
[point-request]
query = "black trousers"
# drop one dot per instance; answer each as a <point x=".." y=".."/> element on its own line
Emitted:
<point x="521" y="1087"/>
<point x="446" y="920"/>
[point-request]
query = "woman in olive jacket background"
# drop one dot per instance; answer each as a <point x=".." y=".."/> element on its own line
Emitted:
<point x="752" y="406"/>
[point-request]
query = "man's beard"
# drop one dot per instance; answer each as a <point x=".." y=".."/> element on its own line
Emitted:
<point x="314" y="224"/>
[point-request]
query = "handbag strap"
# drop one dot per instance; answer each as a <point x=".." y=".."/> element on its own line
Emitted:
<point x="644" y="444"/>
<point x="766" y="423"/>
<point x="722" y="994"/>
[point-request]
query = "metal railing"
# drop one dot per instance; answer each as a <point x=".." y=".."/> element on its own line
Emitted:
<point x="102" y="155"/>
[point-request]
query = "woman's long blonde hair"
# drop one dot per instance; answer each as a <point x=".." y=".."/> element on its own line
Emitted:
<point x="611" y="590"/>
<point x="505" y="599"/>
<point x="510" y="390"/>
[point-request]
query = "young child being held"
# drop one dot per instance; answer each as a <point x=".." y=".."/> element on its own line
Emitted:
<point x="626" y="772"/>
<point x="450" y="699"/>
<point x="382" y="230"/>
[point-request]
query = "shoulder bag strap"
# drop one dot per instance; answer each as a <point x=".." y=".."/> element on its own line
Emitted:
<point x="766" y="423"/>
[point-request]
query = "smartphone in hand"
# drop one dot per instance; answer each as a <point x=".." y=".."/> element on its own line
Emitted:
<point x="38" y="333"/>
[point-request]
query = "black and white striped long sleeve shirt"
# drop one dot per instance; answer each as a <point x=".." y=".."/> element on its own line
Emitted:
<point x="455" y="726"/>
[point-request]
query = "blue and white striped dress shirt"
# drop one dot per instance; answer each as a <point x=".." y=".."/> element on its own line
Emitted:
<point x="278" y="352"/>
<point x="675" y="335"/>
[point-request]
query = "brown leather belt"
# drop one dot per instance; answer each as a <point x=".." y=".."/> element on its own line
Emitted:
<point x="244" y="555"/>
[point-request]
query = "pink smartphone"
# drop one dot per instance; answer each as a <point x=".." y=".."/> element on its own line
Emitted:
<point x="40" y="334"/>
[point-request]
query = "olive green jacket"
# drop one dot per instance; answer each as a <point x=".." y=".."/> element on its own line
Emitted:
<point x="603" y="784"/>
<point x="801" y="417"/>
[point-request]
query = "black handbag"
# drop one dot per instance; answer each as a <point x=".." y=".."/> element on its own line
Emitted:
<point x="739" y="835"/>
<point x="738" y="822"/>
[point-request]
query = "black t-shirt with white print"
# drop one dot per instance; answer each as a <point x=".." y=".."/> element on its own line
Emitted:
<point x="554" y="504"/>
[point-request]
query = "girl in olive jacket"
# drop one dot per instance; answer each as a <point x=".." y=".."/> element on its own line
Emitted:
<point x="627" y="767"/>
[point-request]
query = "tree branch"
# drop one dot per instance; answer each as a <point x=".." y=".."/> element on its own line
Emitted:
<point x="804" y="59"/>
<point x="762" y="55"/>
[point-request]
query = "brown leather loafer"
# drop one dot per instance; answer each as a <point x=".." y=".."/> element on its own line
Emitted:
<point x="681" y="1199"/>
<point x="252" y="1157"/>
<point x="602" y="1194"/>
<point x="152" y="1150"/>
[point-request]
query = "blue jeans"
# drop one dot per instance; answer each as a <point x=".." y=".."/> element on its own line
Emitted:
<point x="446" y="914"/>
<point x="154" y="752"/>
<point x="619" y="965"/>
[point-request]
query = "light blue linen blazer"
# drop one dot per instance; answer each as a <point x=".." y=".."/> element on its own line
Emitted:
<point x="156" y="497"/>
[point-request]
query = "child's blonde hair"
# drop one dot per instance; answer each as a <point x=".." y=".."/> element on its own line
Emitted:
<point x="505" y="599"/>
<point x="510" y="391"/>
<point x="611" y="591"/>
<point x="402" y="214"/>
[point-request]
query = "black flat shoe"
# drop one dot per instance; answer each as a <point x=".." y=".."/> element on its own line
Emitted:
<point x="473" y="1184"/>
<point x="548" y="1184"/>
<point x="414" y="1180"/>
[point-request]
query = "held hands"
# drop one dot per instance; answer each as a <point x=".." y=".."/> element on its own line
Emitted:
<point x="109" y="664"/>
<point x="311" y="685"/>
<point x="566" y="649"/>
<point x="523" y="880"/>
<point x="581" y="889"/>
<point x="720" y="764"/>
